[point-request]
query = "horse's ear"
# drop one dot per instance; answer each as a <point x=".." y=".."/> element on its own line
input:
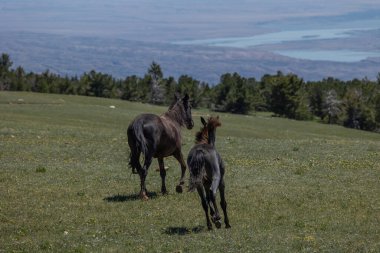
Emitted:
<point x="186" y="97"/>
<point x="203" y="121"/>
<point x="218" y="122"/>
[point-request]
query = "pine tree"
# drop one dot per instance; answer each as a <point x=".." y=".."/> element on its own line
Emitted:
<point x="285" y="95"/>
<point x="157" y="91"/>
<point x="5" y="65"/>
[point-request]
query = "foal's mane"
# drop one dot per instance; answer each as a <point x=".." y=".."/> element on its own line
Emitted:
<point x="209" y="128"/>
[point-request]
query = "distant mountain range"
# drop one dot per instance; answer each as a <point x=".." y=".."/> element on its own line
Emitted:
<point x="71" y="55"/>
<point x="122" y="38"/>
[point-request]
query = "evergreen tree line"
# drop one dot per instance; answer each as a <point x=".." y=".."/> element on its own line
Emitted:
<point x="354" y="103"/>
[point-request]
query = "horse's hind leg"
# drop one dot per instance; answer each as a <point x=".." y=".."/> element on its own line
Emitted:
<point x="214" y="187"/>
<point x="143" y="173"/>
<point x="211" y="200"/>
<point x="223" y="203"/>
<point x="143" y="193"/>
<point x="204" y="202"/>
<point x="163" y="175"/>
<point x="179" y="156"/>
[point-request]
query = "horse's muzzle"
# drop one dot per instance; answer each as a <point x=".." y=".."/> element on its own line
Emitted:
<point x="190" y="124"/>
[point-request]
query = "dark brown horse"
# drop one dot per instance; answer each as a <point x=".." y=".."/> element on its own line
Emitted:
<point x="158" y="137"/>
<point x="207" y="171"/>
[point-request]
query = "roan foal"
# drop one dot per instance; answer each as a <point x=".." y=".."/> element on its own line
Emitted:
<point x="206" y="172"/>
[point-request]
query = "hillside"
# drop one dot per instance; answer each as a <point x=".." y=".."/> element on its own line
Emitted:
<point x="290" y="185"/>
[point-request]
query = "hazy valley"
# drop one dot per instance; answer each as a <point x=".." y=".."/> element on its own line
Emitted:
<point x="122" y="39"/>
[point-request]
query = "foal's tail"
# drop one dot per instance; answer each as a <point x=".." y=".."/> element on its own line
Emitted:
<point x="137" y="144"/>
<point x="196" y="163"/>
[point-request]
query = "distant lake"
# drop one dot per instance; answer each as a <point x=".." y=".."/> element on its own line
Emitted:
<point x="287" y="36"/>
<point x="329" y="55"/>
<point x="271" y="38"/>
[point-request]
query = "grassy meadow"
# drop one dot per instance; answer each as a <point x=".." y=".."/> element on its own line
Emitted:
<point x="291" y="186"/>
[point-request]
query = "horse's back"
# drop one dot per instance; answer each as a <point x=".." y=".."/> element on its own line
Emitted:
<point x="159" y="134"/>
<point x="145" y="123"/>
<point x="138" y="135"/>
<point x="144" y="119"/>
<point x="210" y="154"/>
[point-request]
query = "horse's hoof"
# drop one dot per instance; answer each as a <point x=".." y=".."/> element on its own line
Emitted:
<point x="143" y="196"/>
<point x="217" y="221"/>
<point x="228" y="226"/>
<point x="179" y="189"/>
<point x="218" y="224"/>
<point x="165" y="192"/>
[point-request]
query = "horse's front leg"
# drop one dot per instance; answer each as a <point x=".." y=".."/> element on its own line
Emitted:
<point x="163" y="175"/>
<point x="178" y="155"/>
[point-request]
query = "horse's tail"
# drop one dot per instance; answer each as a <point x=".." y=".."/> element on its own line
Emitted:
<point x="137" y="143"/>
<point x="196" y="163"/>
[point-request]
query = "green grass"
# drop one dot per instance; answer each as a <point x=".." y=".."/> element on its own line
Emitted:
<point x="291" y="186"/>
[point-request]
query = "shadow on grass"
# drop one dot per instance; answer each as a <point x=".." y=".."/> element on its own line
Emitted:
<point x="129" y="197"/>
<point x="183" y="230"/>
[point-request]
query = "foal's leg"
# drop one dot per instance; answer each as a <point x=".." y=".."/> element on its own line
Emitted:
<point x="204" y="202"/>
<point x="214" y="187"/>
<point x="223" y="203"/>
<point x="178" y="155"/>
<point x="211" y="200"/>
<point x="163" y="175"/>
<point x="207" y="186"/>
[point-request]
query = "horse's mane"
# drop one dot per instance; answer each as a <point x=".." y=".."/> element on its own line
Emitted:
<point x="175" y="112"/>
<point x="203" y="135"/>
